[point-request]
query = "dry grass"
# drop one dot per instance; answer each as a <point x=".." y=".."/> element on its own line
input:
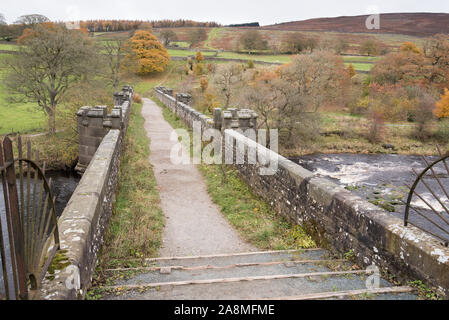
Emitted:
<point x="344" y="133"/>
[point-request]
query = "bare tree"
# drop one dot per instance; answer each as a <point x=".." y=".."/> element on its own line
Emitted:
<point x="2" y="19"/>
<point x="49" y="62"/>
<point x="253" y="40"/>
<point x="196" y="36"/>
<point x="289" y="99"/>
<point x="115" y="52"/>
<point x="226" y="78"/>
<point x="32" y="19"/>
<point x="168" y="36"/>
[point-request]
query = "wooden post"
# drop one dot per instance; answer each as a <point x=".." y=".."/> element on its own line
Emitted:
<point x="16" y="223"/>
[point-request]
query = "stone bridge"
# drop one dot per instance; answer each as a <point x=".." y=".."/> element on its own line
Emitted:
<point x="339" y="220"/>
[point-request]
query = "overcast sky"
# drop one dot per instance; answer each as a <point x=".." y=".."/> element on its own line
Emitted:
<point x="223" y="11"/>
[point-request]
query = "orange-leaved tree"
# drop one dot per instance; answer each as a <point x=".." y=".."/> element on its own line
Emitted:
<point x="442" y="109"/>
<point x="408" y="47"/>
<point x="151" y="55"/>
<point x="351" y="70"/>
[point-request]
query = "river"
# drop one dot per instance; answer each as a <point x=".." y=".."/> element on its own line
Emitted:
<point x="382" y="179"/>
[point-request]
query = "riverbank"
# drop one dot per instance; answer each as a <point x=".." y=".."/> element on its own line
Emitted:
<point x="341" y="132"/>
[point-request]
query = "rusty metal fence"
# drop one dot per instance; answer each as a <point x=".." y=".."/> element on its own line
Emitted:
<point x="427" y="206"/>
<point x="29" y="235"/>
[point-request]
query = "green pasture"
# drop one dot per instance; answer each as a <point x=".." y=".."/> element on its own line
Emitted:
<point x="8" y="46"/>
<point x="18" y="117"/>
<point x="361" y="66"/>
<point x="360" y="58"/>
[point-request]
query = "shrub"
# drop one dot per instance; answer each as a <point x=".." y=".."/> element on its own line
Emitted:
<point x="351" y="70"/>
<point x="204" y="83"/>
<point x="198" y="69"/>
<point x="442" y="133"/>
<point x="250" y="64"/>
<point x="137" y="98"/>
<point x="426" y="104"/>
<point x="208" y="102"/>
<point x="199" y="57"/>
<point x="377" y="127"/>
<point x="211" y="68"/>
<point x="442" y="109"/>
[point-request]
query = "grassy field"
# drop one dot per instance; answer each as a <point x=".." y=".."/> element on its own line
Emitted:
<point x="360" y="59"/>
<point x="228" y="38"/>
<point x="18" y="117"/>
<point x="187" y="53"/>
<point x="361" y="66"/>
<point x="345" y="133"/>
<point x="213" y="34"/>
<point x="264" y="58"/>
<point x="8" y="46"/>
<point x="181" y="44"/>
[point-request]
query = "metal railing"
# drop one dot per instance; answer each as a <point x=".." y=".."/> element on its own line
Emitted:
<point x="433" y="210"/>
<point x="29" y="235"/>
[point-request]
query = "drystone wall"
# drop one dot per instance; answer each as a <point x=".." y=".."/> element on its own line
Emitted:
<point x="337" y="219"/>
<point x="83" y="223"/>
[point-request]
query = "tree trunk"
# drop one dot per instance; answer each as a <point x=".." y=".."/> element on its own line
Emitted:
<point x="51" y="121"/>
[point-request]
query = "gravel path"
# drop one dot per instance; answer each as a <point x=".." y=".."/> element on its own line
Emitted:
<point x="194" y="224"/>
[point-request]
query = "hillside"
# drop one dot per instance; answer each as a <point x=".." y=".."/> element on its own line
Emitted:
<point x="415" y="24"/>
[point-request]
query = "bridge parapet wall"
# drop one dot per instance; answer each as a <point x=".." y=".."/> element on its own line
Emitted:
<point x="83" y="223"/>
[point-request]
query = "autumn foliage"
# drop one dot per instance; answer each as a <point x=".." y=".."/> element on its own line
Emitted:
<point x="199" y="57"/>
<point x="128" y="25"/>
<point x="351" y="70"/>
<point x="442" y="109"/>
<point x="149" y="52"/>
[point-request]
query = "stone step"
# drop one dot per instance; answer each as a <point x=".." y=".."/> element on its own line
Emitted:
<point x="174" y="274"/>
<point x="284" y="275"/>
<point x="253" y="288"/>
<point x="387" y="293"/>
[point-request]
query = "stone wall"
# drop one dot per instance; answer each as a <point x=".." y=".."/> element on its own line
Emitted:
<point x="95" y="122"/>
<point x="83" y="223"/>
<point x="337" y="219"/>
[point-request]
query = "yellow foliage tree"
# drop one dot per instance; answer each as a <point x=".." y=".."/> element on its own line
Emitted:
<point x="199" y="57"/>
<point x="442" y="109"/>
<point x="150" y="53"/>
<point x="351" y="70"/>
<point x="410" y="47"/>
<point x="204" y="83"/>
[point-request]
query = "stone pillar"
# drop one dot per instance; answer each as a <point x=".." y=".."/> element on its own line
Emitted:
<point x="233" y="118"/>
<point x="167" y="91"/>
<point x="119" y="98"/>
<point x="218" y="120"/>
<point x="93" y="125"/>
<point x="184" y="98"/>
<point x="116" y="118"/>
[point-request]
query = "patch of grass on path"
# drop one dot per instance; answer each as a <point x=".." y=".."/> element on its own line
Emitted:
<point x="136" y="226"/>
<point x="252" y="217"/>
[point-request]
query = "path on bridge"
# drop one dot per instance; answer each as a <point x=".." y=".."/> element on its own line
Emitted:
<point x="194" y="224"/>
<point x="204" y="258"/>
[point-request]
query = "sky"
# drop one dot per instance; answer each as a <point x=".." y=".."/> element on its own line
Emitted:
<point x="224" y="11"/>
